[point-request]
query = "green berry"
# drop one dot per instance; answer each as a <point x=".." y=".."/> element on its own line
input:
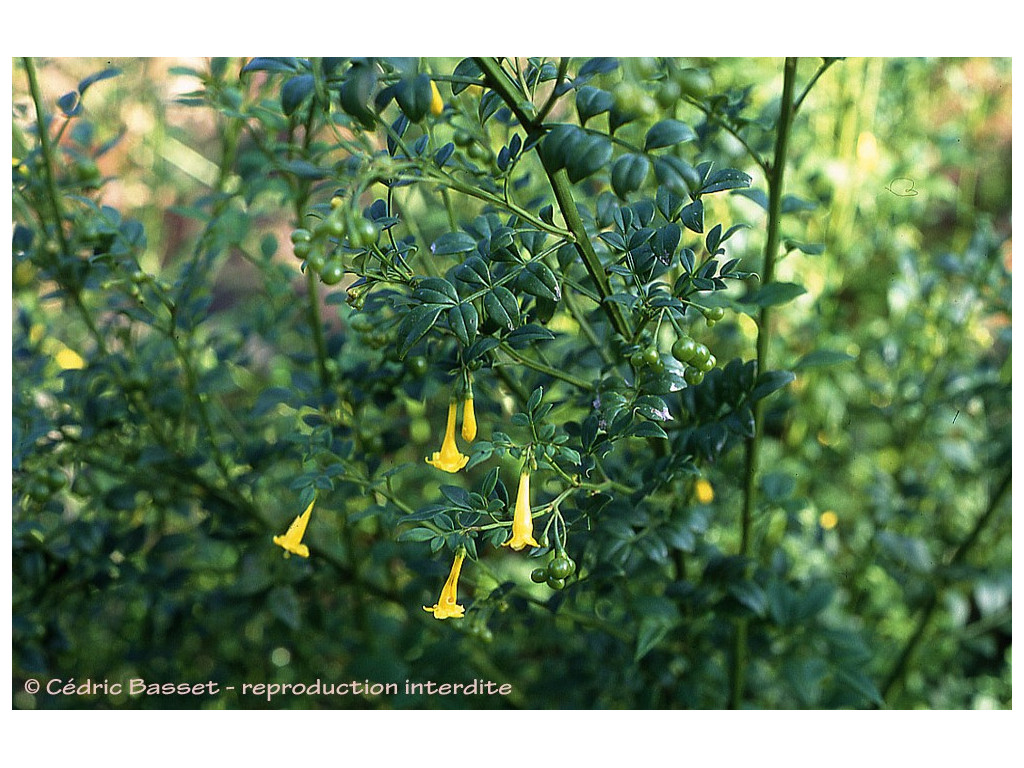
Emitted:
<point x="693" y="376"/>
<point x="684" y="349"/>
<point x="301" y="236"/>
<point x="700" y="356"/>
<point x="363" y="232"/>
<point x="668" y="94"/>
<point x="556" y="583"/>
<point x="539" y="575"/>
<point x="561" y="567"/>
<point x="302" y="249"/>
<point x="709" y="364"/>
<point x="315" y="261"/>
<point x="332" y="272"/>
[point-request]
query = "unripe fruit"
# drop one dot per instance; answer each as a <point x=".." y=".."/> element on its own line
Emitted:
<point x="556" y="583"/>
<point x="334" y="225"/>
<point x="710" y="363"/>
<point x="684" y="349"/>
<point x="301" y="236"/>
<point x="700" y="355"/>
<point x="561" y="567"/>
<point x="693" y="376"/>
<point x="539" y="575"/>
<point x="332" y="272"/>
<point x="695" y="83"/>
<point x="668" y="94"/>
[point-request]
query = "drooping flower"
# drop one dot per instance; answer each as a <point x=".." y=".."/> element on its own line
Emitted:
<point x="447" y="605"/>
<point x="448" y="458"/>
<point x="291" y="541"/>
<point x="468" y="420"/>
<point x="522" y="519"/>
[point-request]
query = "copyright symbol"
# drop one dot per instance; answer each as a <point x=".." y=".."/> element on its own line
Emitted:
<point x="31" y="686"/>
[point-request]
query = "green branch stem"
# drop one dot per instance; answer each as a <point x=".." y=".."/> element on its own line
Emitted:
<point x="499" y="81"/>
<point x="775" y="187"/>
<point x="47" y="150"/>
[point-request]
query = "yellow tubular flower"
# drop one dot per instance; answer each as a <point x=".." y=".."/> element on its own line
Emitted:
<point x="436" y="102"/>
<point x="292" y="539"/>
<point x="447" y="606"/>
<point x="468" y="420"/>
<point x="448" y="458"/>
<point x="522" y="520"/>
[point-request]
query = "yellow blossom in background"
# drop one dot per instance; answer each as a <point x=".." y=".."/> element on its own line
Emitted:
<point x="468" y="421"/>
<point x="292" y="539"/>
<point x="436" y="102"/>
<point x="69" y="360"/>
<point x="522" y="519"/>
<point x="447" y="605"/>
<point x="448" y="458"/>
<point x="704" y="492"/>
<point x="828" y="520"/>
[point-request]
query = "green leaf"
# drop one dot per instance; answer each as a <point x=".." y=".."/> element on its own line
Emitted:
<point x="466" y="68"/>
<point x="750" y="594"/>
<point x="668" y="133"/>
<point x="629" y="173"/>
<point x="811" y="249"/>
<point x="435" y="290"/>
<point x="283" y="603"/>
<point x="103" y="74"/>
<point x="538" y="280"/>
<point x="587" y="156"/>
<point x="591" y="101"/>
<point x="294" y="91"/>
<point x="820" y="358"/>
<point x="554" y="147"/>
<point x="355" y="92"/>
<point x="271" y="64"/>
<point x="674" y="174"/>
<point x="414" y="95"/>
<point x="861" y="684"/>
<point x="473" y="272"/>
<point x="727" y="178"/>
<point x="768" y="382"/>
<point x="463" y="320"/>
<point x="692" y="217"/>
<point x="528" y="334"/>
<point x="774" y="294"/>
<point x="305" y="169"/>
<point x="451" y="243"/>
<point x="416" y="534"/>
<point x="646" y="429"/>
<point x="652" y="631"/>
<point x="501" y="307"/>
<point x="415" y="326"/>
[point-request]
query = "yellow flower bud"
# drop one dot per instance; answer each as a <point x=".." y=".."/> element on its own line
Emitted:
<point x="468" y="421"/>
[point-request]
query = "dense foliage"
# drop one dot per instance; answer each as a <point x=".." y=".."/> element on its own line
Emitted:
<point x="692" y="378"/>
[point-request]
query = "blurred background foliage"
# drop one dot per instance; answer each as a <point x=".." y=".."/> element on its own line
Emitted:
<point x="152" y="465"/>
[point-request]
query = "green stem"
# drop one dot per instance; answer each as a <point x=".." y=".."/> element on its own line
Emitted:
<point x="775" y="179"/>
<point x="47" y="150"/>
<point x="540" y="367"/>
<point x="499" y="81"/>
